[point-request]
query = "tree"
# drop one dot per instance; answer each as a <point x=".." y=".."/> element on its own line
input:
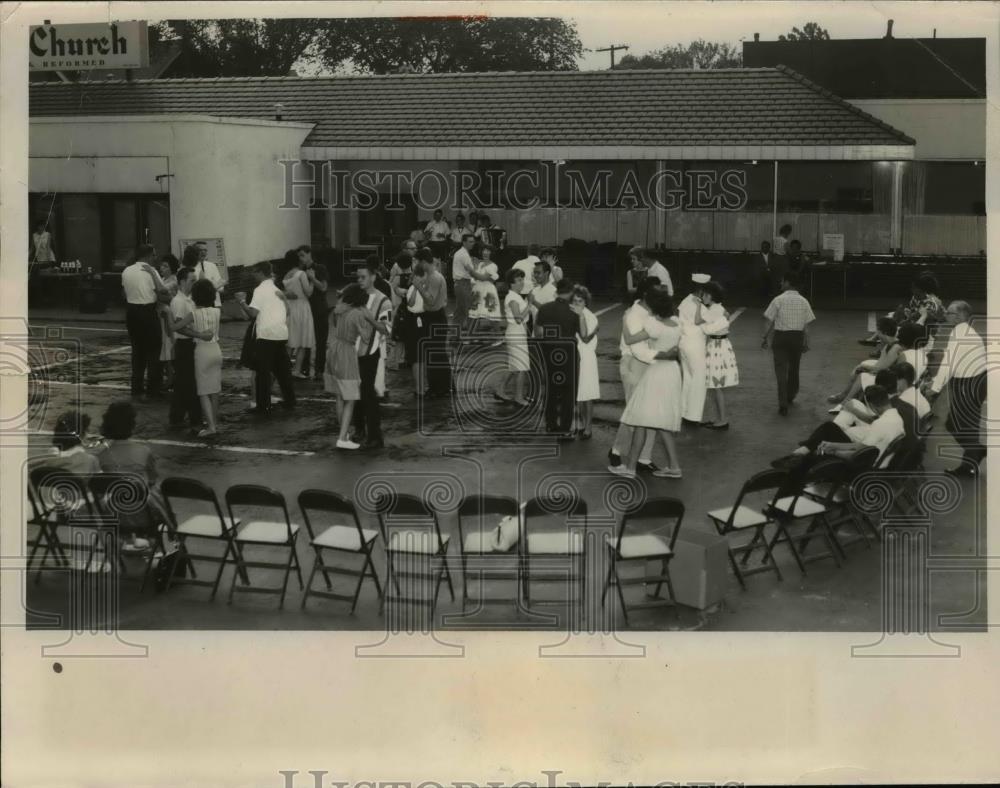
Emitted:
<point x="427" y="45"/>
<point x="697" y="54"/>
<point x="237" y="47"/>
<point x="809" y="32"/>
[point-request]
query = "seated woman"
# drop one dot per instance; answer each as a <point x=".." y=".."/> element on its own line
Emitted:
<point x="864" y="373"/>
<point x="68" y="450"/>
<point x="924" y="307"/>
<point x="911" y="337"/>
<point x="125" y="456"/>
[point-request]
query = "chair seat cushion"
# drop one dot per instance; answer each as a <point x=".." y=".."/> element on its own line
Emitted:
<point x="478" y="542"/>
<point x="745" y="517"/>
<point x="344" y="537"/>
<point x="641" y="545"/>
<point x="265" y="531"/>
<point x="417" y="542"/>
<point x="204" y="525"/>
<point x="556" y="543"/>
<point x="804" y="507"/>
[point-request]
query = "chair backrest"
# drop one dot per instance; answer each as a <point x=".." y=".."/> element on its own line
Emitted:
<point x="258" y="496"/>
<point x="409" y="512"/>
<point x="317" y="501"/>
<point x="888" y="457"/>
<point x="123" y="498"/>
<point x="831" y="471"/>
<point x="60" y="492"/>
<point x="184" y="489"/>
<point x="478" y="506"/>
<point x="780" y="481"/>
<point x="863" y="460"/>
<point x="666" y="508"/>
<point x="908" y="456"/>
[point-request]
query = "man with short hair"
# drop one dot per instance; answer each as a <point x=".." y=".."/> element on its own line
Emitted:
<point x="556" y="328"/>
<point x="437" y="229"/>
<point x="544" y="289"/>
<point x="367" y="418"/>
<point x="656" y="269"/>
<point x="433" y="289"/>
<point x="787" y="317"/>
<point x="881" y="433"/>
<point x="527" y="265"/>
<point x="143" y="290"/>
<point x="269" y="308"/>
<point x="548" y="256"/>
<point x="963" y="369"/>
<point x="184" y="396"/>
<point x="206" y="269"/>
<point x="462" y="273"/>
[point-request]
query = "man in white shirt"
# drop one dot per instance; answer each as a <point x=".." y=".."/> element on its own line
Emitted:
<point x="438" y="229"/>
<point x="462" y="271"/>
<point x="206" y="269"/>
<point x="459" y="231"/>
<point x="269" y="308"/>
<point x="636" y="356"/>
<point x="963" y="369"/>
<point x="184" y="395"/>
<point x="544" y="290"/>
<point x="367" y="417"/>
<point x="527" y="265"/>
<point x="881" y="433"/>
<point x="657" y="269"/>
<point x="143" y="290"/>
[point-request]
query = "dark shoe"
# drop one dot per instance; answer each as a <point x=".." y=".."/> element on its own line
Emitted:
<point x="690" y="423"/>
<point x="372" y="445"/>
<point x="613" y="459"/>
<point x="783" y="410"/>
<point x="646" y="467"/>
<point x="711" y="426"/>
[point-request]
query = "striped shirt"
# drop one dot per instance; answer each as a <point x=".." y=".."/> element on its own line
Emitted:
<point x="789" y="311"/>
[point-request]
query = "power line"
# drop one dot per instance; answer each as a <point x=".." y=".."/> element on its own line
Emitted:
<point x="612" y="48"/>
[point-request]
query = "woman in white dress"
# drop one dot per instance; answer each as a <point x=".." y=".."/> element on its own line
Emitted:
<point x="589" y="385"/>
<point x="656" y="401"/>
<point x="720" y="360"/>
<point x="301" y="331"/>
<point x="516" y="338"/>
<point x="207" y="353"/>
<point x="168" y="273"/>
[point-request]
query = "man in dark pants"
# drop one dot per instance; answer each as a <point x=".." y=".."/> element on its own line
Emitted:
<point x="143" y="291"/>
<point x="556" y="327"/>
<point x="184" y="397"/>
<point x="963" y="369"/>
<point x="787" y="317"/>
<point x="271" y="348"/>
<point x="320" y="312"/>
<point x="367" y="417"/>
<point x="432" y="350"/>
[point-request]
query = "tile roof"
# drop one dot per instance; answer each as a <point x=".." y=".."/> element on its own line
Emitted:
<point x="766" y="106"/>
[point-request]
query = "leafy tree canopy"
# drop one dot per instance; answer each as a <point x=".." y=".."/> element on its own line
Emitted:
<point x="809" y="32"/>
<point x="697" y="54"/>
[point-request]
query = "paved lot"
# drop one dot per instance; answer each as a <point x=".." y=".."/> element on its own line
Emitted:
<point x="475" y="445"/>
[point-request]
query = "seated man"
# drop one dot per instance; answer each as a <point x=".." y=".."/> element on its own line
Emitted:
<point x="881" y="433"/>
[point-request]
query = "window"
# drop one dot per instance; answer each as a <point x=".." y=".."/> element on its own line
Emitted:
<point x="957" y="188"/>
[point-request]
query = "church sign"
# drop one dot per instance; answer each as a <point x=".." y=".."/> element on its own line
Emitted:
<point x="87" y="46"/>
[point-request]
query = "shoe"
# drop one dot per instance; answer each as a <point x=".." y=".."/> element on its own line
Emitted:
<point x="833" y="399"/>
<point x="711" y="426"/>
<point x="835" y="410"/>
<point x="613" y="459"/>
<point x="647" y="467"/>
<point x="585" y="436"/>
<point x="621" y="470"/>
<point x="300" y="376"/>
<point x="565" y="437"/>
<point x="207" y="433"/>
<point x="668" y="473"/>
<point x="372" y="445"/>
<point x="348" y="445"/>
<point x="498" y="398"/>
<point x="783" y="410"/>
<point x="691" y="423"/>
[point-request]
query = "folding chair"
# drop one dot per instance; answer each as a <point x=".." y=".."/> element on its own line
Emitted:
<point x="65" y="500"/>
<point x="740" y="518"/>
<point x="906" y="464"/>
<point x="644" y="547"/>
<point x="477" y="542"/>
<point x="840" y="507"/>
<point x="829" y="474"/>
<point x="182" y="498"/>
<point x="343" y="538"/>
<point x="411" y="532"/>
<point x="124" y="501"/>
<point x="262" y="534"/>
<point x="563" y="546"/>
<point x="46" y="536"/>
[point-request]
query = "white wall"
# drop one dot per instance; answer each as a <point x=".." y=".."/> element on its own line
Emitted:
<point x="227" y="181"/>
<point x="943" y="128"/>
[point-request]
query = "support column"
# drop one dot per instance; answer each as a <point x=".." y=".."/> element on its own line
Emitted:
<point x="774" y="205"/>
<point x="896" y="220"/>
<point x="661" y="213"/>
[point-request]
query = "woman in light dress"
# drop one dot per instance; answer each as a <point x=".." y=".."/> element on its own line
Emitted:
<point x="516" y="339"/>
<point x="485" y="301"/>
<point x="168" y="273"/>
<point x="655" y="403"/>
<point x="589" y="386"/>
<point x="301" y="332"/>
<point x="720" y="360"/>
<point x="207" y="353"/>
<point x="351" y="327"/>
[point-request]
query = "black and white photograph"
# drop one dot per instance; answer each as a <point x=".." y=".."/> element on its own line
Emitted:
<point x="617" y="320"/>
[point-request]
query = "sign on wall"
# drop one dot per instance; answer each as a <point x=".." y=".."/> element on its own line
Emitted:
<point x="834" y="242"/>
<point x="216" y="252"/>
<point x="87" y="46"/>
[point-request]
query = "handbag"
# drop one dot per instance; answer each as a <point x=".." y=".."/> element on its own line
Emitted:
<point x="248" y="353"/>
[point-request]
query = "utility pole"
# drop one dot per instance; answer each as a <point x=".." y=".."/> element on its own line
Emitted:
<point x="612" y="48"/>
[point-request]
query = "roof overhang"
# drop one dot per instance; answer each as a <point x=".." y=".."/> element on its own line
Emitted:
<point x="901" y="152"/>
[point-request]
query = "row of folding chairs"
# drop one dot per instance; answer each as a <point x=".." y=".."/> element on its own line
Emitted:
<point x="815" y="505"/>
<point x="550" y="545"/>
